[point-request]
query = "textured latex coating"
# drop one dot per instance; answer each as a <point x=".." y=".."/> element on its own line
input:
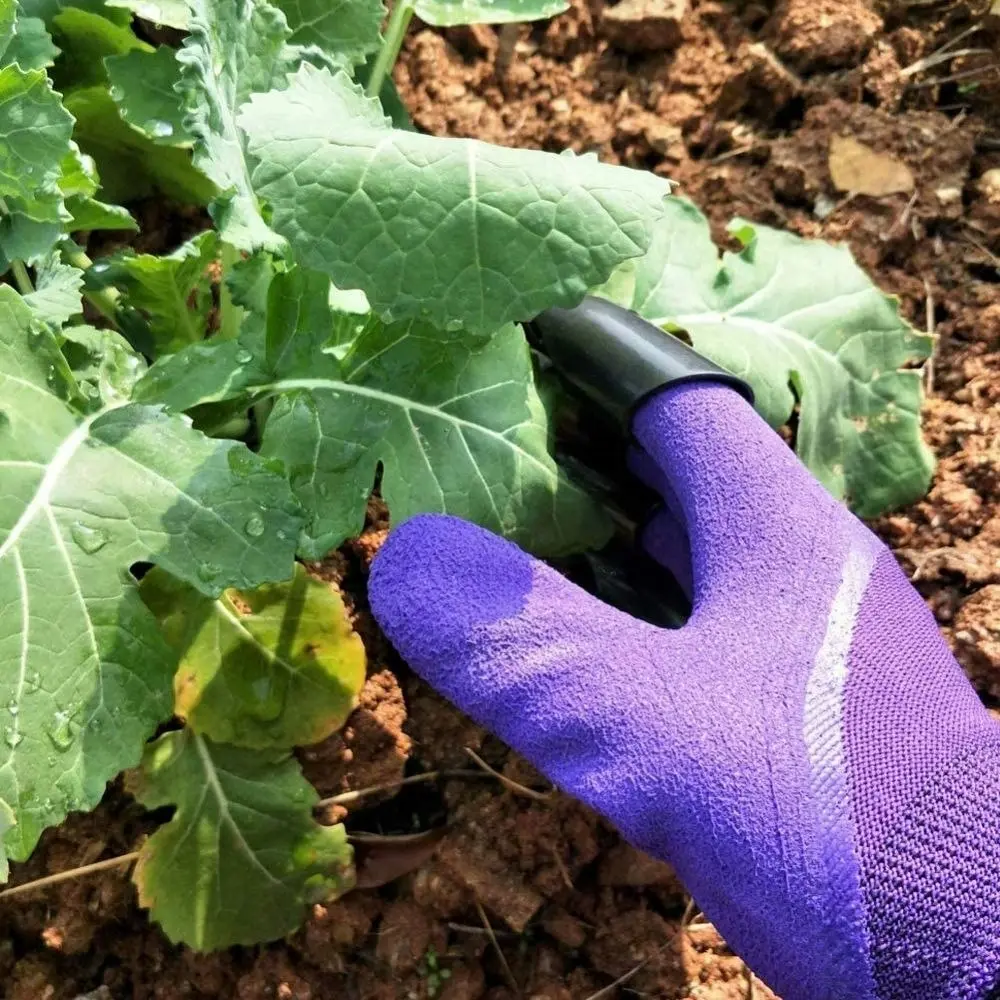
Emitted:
<point x="774" y="749"/>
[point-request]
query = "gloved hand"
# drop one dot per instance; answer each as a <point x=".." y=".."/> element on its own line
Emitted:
<point x="805" y="751"/>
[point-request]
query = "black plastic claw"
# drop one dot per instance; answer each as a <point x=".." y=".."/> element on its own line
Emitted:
<point x="617" y="359"/>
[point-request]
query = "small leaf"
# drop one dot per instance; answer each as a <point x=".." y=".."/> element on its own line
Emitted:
<point x="234" y="49"/>
<point x="451" y="230"/>
<point x="143" y="85"/>
<point x="103" y="363"/>
<point x="34" y="137"/>
<point x="350" y="28"/>
<point x="803" y="323"/>
<point x="28" y="44"/>
<point x="172" y="291"/>
<point x="242" y="858"/>
<point x="169" y="13"/>
<point x="56" y="298"/>
<point x="91" y="487"/>
<point x="446" y="13"/>
<point x="275" y="668"/>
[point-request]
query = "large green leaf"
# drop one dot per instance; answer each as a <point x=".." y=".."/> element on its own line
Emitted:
<point x="79" y="183"/>
<point x="453" y="230"/>
<point x="35" y="131"/>
<point x="455" y="420"/>
<point x="92" y="486"/>
<point x="131" y="165"/>
<point x="445" y="13"/>
<point x="234" y="49"/>
<point x="276" y="667"/>
<point x="803" y="324"/>
<point x="143" y="84"/>
<point x="346" y="27"/>
<point x="173" y="291"/>
<point x="85" y="40"/>
<point x="242" y="857"/>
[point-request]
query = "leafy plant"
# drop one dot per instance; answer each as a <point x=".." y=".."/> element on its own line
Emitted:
<point x="178" y="428"/>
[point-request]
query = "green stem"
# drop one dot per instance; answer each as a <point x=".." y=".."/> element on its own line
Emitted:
<point x="105" y="300"/>
<point x="230" y="314"/>
<point x="24" y="285"/>
<point x="395" y="32"/>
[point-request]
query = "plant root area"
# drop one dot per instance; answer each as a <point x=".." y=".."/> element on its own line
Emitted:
<point x="521" y="895"/>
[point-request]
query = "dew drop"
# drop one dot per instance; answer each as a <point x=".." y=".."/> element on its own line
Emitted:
<point x="48" y="805"/>
<point x="324" y="490"/>
<point x="254" y="526"/>
<point x="33" y="682"/>
<point x="208" y="572"/>
<point x="13" y="707"/>
<point x="282" y="534"/>
<point x="98" y="267"/>
<point x="243" y="356"/>
<point x="160" y="128"/>
<point x="61" y="732"/>
<point x="95" y="725"/>
<point x="91" y="540"/>
<point x="52" y="761"/>
<point x="12" y="737"/>
<point x="91" y="390"/>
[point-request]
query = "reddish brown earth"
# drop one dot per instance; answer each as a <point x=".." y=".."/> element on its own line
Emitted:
<point x="742" y="103"/>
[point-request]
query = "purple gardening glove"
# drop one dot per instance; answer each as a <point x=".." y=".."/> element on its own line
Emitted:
<point x="805" y="751"/>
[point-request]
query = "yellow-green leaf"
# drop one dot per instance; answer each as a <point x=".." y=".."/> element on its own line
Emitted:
<point x="275" y="667"/>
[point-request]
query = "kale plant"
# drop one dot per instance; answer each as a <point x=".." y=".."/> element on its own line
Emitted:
<point x="179" y="430"/>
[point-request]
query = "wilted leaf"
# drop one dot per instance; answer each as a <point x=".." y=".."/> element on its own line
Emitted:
<point x="242" y="857"/>
<point x="276" y="667"/>
<point x="857" y="168"/>
<point x="803" y="323"/>
<point x="452" y="230"/>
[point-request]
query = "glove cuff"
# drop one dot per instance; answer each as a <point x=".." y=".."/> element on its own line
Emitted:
<point x="932" y="890"/>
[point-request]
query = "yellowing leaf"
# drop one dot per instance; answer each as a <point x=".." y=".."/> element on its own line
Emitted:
<point x="275" y="667"/>
<point x="857" y="168"/>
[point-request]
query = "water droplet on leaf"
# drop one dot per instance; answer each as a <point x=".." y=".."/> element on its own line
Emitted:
<point x="254" y="526"/>
<point x="161" y="129"/>
<point x="208" y="572"/>
<point x="13" y="707"/>
<point x="243" y="356"/>
<point x="324" y="490"/>
<point x="62" y="731"/>
<point x="12" y="737"/>
<point x="89" y="539"/>
<point x="33" y="682"/>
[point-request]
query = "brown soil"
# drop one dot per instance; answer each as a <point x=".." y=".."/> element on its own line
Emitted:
<point x="740" y="103"/>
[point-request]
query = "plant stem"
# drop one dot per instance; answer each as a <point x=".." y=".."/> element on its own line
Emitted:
<point x="395" y="32"/>
<point x="105" y="301"/>
<point x="24" y="285"/>
<point x="230" y="314"/>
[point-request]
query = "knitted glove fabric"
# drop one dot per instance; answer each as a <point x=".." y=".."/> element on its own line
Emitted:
<point x="805" y="751"/>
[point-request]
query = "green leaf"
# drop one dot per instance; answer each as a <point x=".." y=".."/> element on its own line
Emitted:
<point x="87" y="214"/>
<point x="103" y="363"/>
<point x="27" y="43"/>
<point x="445" y="13"/>
<point x="46" y="10"/>
<point x="89" y="490"/>
<point x="453" y="230"/>
<point x="86" y="39"/>
<point x="169" y="13"/>
<point x="273" y="668"/>
<point x="455" y="421"/>
<point x="350" y="28"/>
<point x="242" y="858"/>
<point x="173" y="292"/>
<point x="802" y="323"/>
<point x="143" y="84"/>
<point x="56" y="298"/>
<point x="131" y="165"/>
<point x="34" y="137"/>
<point x="234" y="49"/>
